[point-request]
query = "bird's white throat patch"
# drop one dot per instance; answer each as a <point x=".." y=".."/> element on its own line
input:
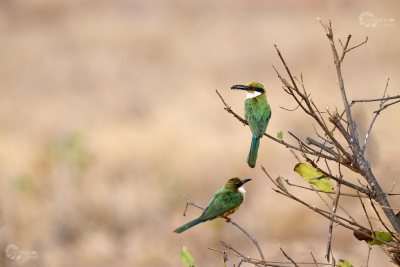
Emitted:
<point x="252" y="94"/>
<point x="242" y="190"/>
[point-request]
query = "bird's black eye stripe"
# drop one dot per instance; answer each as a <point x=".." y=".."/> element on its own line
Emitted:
<point x="257" y="89"/>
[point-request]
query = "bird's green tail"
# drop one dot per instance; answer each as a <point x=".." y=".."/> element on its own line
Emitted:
<point x="252" y="157"/>
<point x="188" y="225"/>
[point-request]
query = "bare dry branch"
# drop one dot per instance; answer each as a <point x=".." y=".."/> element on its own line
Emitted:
<point x="337" y="142"/>
<point x="358" y="153"/>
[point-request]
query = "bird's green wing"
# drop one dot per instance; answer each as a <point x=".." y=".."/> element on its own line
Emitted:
<point x="257" y="113"/>
<point x="222" y="202"/>
<point x="266" y="116"/>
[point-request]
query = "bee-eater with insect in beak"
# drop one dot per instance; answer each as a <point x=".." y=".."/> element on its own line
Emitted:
<point x="257" y="113"/>
<point x="224" y="202"/>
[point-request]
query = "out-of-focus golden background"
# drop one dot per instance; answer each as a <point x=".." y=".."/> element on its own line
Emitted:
<point x="108" y="115"/>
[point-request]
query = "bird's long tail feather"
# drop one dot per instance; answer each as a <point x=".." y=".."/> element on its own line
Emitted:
<point x="252" y="157"/>
<point x="188" y="225"/>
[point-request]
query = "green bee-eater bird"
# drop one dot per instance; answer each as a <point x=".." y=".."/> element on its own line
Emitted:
<point x="257" y="113"/>
<point x="224" y="202"/>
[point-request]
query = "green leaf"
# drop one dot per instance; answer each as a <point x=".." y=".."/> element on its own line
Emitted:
<point x="344" y="263"/>
<point x="323" y="184"/>
<point x="307" y="171"/>
<point x="383" y="236"/>
<point x="187" y="259"/>
<point x="315" y="177"/>
<point x="279" y="135"/>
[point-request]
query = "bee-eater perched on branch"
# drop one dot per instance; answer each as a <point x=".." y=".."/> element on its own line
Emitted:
<point x="224" y="202"/>
<point x="257" y="113"/>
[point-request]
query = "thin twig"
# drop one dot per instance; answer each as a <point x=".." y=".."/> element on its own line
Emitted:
<point x="315" y="261"/>
<point x="386" y="106"/>
<point x="391" y="190"/>
<point x="374" y="99"/>
<point x="376" y="114"/>
<point x="366" y="214"/>
<point x="288" y="257"/>
<point x="251" y="238"/>
<point x="369" y="253"/>
<point x="356" y="46"/>
<point x="323" y="147"/>
<point x="295" y="155"/>
<point x="334" y="208"/>
<point x="290" y="109"/>
<point x="228" y="108"/>
<point x="345" y="47"/>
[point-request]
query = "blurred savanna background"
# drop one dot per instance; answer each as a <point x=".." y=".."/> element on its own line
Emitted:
<point x="108" y="116"/>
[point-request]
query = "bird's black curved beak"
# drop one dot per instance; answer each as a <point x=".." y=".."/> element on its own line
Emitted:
<point x="240" y="87"/>
<point x="245" y="180"/>
<point x="246" y="88"/>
